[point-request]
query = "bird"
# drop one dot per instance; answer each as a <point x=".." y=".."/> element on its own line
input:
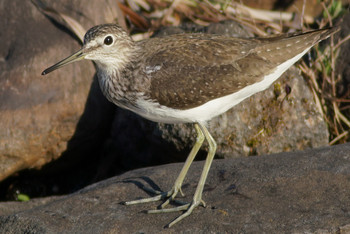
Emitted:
<point x="187" y="78"/>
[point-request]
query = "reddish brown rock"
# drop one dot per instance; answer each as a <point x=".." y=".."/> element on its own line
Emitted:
<point x="39" y="115"/>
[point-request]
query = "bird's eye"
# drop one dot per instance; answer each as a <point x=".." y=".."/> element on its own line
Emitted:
<point x="108" y="40"/>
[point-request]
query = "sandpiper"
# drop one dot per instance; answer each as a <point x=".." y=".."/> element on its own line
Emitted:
<point x="187" y="78"/>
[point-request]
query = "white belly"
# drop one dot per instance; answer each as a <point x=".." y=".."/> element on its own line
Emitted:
<point x="209" y="110"/>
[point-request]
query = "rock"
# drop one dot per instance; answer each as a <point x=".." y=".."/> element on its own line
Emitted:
<point x="310" y="8"/>
<point x="282" y="118"/>
<point x="38" y="115"/>
<point x="226" y="27"/>
<point x="295" y="192"/>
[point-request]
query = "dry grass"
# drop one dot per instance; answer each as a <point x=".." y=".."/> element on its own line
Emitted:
<point x="323" y="80"/>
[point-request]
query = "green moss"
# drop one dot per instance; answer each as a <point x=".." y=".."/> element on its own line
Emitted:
<point x="23" y="197"/>
<point x="277" y="89"/>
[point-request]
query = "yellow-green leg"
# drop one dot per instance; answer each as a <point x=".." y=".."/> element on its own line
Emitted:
<point x="202" y="132"/>
<point x="197" y="198"/>
<point x="178" y="183"/>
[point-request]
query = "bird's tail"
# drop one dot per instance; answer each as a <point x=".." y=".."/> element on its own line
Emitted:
<point x="324" y="33"/>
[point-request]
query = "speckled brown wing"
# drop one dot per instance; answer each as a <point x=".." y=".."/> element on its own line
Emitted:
<point x="191" y="86"/>
<point x="186" y="71"/>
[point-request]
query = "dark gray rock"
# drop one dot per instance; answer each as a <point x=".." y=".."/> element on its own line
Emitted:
<point x="227" y="27"/>
<point x="297" y="192"/>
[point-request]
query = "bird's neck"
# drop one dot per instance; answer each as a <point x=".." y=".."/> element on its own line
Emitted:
<point x="114" y="76"/>
<point x="117" y="62"/>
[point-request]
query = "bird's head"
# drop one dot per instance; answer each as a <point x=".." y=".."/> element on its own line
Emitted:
<point x="108" y="45"/>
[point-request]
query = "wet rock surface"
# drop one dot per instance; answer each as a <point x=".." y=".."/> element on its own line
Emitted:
<point x="296" y="192"/>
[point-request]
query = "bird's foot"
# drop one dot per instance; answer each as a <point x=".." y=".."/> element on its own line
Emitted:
<point x="188" y="208"/>
<point x="170" y="195"/>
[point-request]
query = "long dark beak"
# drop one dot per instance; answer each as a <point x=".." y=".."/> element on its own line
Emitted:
<point x="73" y="58"/>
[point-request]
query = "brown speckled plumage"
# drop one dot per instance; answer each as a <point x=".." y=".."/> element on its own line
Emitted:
<point x="186" y="71"/>
<point x="198" y="68"/>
